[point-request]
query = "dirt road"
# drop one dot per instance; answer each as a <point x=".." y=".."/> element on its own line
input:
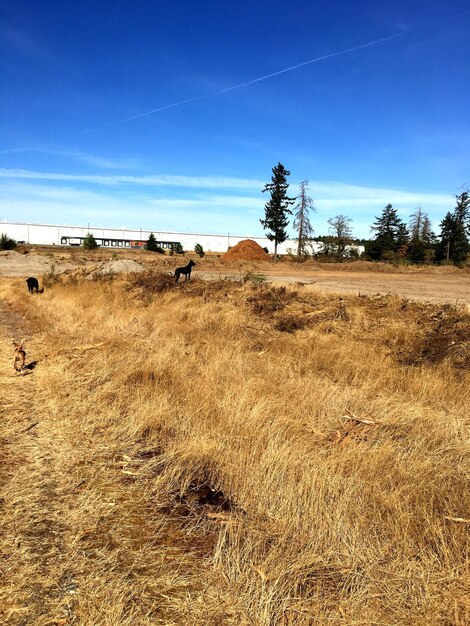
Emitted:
<point x="426" y="287"/>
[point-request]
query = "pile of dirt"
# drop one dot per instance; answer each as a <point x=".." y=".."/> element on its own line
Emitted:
<point x="121" y="266"/>
<point x="13" y="263"/>
<point x="246" y="250"/>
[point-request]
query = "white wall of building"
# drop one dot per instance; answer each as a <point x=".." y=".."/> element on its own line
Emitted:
<point x="49" y="234"/>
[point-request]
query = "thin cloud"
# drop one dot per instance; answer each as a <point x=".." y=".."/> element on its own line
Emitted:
<point x="331" y="193"/>
<point x="207" y="182"/>
<point x="79" y="155"/>
<point x="214" y="207"/>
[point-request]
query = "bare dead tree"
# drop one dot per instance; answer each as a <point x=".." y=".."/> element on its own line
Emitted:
<point x="302" y="222"/>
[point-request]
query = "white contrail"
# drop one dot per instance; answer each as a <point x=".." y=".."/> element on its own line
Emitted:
<point x="375" y="42"/>
<point x="265" y="77"/>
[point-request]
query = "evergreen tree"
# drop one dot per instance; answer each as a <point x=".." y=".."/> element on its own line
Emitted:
<point x="302" y="222"/>
<point x="447" y="227"/>
<point x="455" y="230"/>
<point x="6" y="242"/>
<point x="151" y="244"/>
<point x="89" y="242"/>
<point x="199" y="250"/>
<point x="453" y="245"/>
<point x="462" y="210"/>
<point x="276" y="210"/>
<point x="460" y="247"/>
<point x="403" y="236"/>
<point x="177" y="248"/>
<point x="391" y="234"/>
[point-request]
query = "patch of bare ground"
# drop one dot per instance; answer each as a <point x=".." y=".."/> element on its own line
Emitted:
<point x="443" y="284"/>
<point x="228" y="453"/>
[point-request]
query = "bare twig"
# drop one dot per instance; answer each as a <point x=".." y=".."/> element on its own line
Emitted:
<point x="29" y="428"/>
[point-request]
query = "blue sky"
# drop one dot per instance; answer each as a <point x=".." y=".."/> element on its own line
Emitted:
<point x="368" y="125"/>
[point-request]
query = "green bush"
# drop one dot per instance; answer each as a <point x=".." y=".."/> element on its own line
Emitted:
<point x="7" y="243"/>
<point x="199" y="250"/>
<point x="178" y="248"/>
<point x="89" y="242"/>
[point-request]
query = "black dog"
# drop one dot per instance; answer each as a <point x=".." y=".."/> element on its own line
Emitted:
<point x="33" y="285"/>
<point x="186" y="270"/>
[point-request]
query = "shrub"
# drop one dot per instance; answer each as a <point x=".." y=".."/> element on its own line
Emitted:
<point x="152" y="245"/>
<point x="251" y="277"/>
<point x="52" y="277"/>
<point x="178" y="248"/>
<point x="89" y="242"/>
<point x="151" y="282"/>
<point x="7" y="243"/>
<point x="199" y="250"/>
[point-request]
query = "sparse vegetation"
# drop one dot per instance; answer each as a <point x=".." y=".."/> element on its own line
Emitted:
<point x="152" y="245"/>
<point x="177" y="248"/>
<point x="199" y="250"/>
<point x="6" y="242"/>
<point x="89" y="242"/>
<point x="251" y="457"/>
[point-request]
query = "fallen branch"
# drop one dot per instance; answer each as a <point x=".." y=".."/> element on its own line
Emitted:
<point x="260" y="329"/>
<point x="360" y="420"/>
<point x="29" y="428"/>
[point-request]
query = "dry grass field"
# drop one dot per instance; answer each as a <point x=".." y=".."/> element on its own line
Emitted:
<point x="232" y="454"/>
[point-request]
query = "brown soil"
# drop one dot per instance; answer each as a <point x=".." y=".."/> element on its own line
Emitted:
<point x="246" y="250"/>
<point x="444" y="284"/>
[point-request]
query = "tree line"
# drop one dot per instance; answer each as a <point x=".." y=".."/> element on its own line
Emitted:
<point x="393" y="239"/>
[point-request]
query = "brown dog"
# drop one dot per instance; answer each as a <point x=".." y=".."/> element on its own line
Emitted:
<point x="19" y="355"/>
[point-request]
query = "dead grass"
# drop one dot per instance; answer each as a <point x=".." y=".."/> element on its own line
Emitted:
<point x="211" y="468"/>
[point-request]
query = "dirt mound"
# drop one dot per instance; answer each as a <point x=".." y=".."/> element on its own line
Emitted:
<point x="246" y="250"/>
<point x="13" y="263"/>
<point x="122" y="266"/>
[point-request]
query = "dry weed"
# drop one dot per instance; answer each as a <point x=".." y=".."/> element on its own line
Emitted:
<point x="201" y="475"/>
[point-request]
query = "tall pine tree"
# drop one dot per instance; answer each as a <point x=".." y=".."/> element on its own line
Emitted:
<point x="151" y="244"/>
<point x="391" y="234"/>
<point x="462" y="210"/>
<point x="276" y="210"/>
<point x="455" y="230"/>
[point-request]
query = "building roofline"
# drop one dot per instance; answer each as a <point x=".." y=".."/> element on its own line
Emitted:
<point x="147" y="230"/>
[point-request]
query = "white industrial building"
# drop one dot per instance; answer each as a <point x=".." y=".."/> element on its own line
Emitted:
<point x="56" y="235"/>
